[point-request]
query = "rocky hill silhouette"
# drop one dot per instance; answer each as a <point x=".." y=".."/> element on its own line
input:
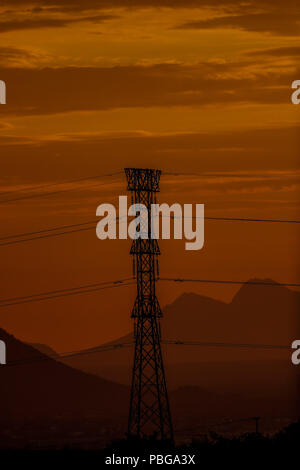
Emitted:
<point x="257" y="315"/>
<point x="35" y="387"/>
<point x="206" y="383"/>
<point x="45" y="349"/>
<point x="260" y="378"/>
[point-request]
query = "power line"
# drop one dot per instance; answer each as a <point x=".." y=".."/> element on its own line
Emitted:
<point x="110" y="347"/>
<point x="168" y="173"/>
<point x="50" y="235"/>
<point x="47" y="234"/>
<point x="33" y="188"/>
<point x="232" y="175"/>
<point x="64" y="292"/>
<point x="32" y="196"/>
<point x="122" y="282"/>
<point x="215" y="281"/>
<point x="226" y="345"/>
<point x="98" y="284"/>
<point x="9" y="239"/>
<point x="51" y="229"/>
<point x="74" y="353"/>
<point x="248" y="219"/>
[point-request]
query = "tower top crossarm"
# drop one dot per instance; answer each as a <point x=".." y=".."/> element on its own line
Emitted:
<point x="143" y="179"/>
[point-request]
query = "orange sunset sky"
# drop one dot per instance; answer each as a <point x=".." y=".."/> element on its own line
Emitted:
<point x="187" y="86"/>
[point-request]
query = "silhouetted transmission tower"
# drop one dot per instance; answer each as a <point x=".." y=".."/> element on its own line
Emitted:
<point x="149" y="412"/>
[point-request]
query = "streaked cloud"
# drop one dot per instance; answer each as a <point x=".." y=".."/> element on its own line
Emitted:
<point x="38" y="22"/>
<point x="287" y="51"/>
<point x="18" y="57"/>
<point x="244" y="151"/>
<point x="278" y="22"/>
<point x="57" y="90"/>
<point x="268" y="16"/>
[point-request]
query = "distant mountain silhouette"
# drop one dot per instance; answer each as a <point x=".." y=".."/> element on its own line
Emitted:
<point x="37" y="388"/>
<point x="43" y="348"/>
<point x="267" y="315"/>
<point x="257" y="315"/>
<point x="42" y="398"/>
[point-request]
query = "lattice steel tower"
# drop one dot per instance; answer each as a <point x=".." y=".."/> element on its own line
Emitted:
<point x="149" y="412"/>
